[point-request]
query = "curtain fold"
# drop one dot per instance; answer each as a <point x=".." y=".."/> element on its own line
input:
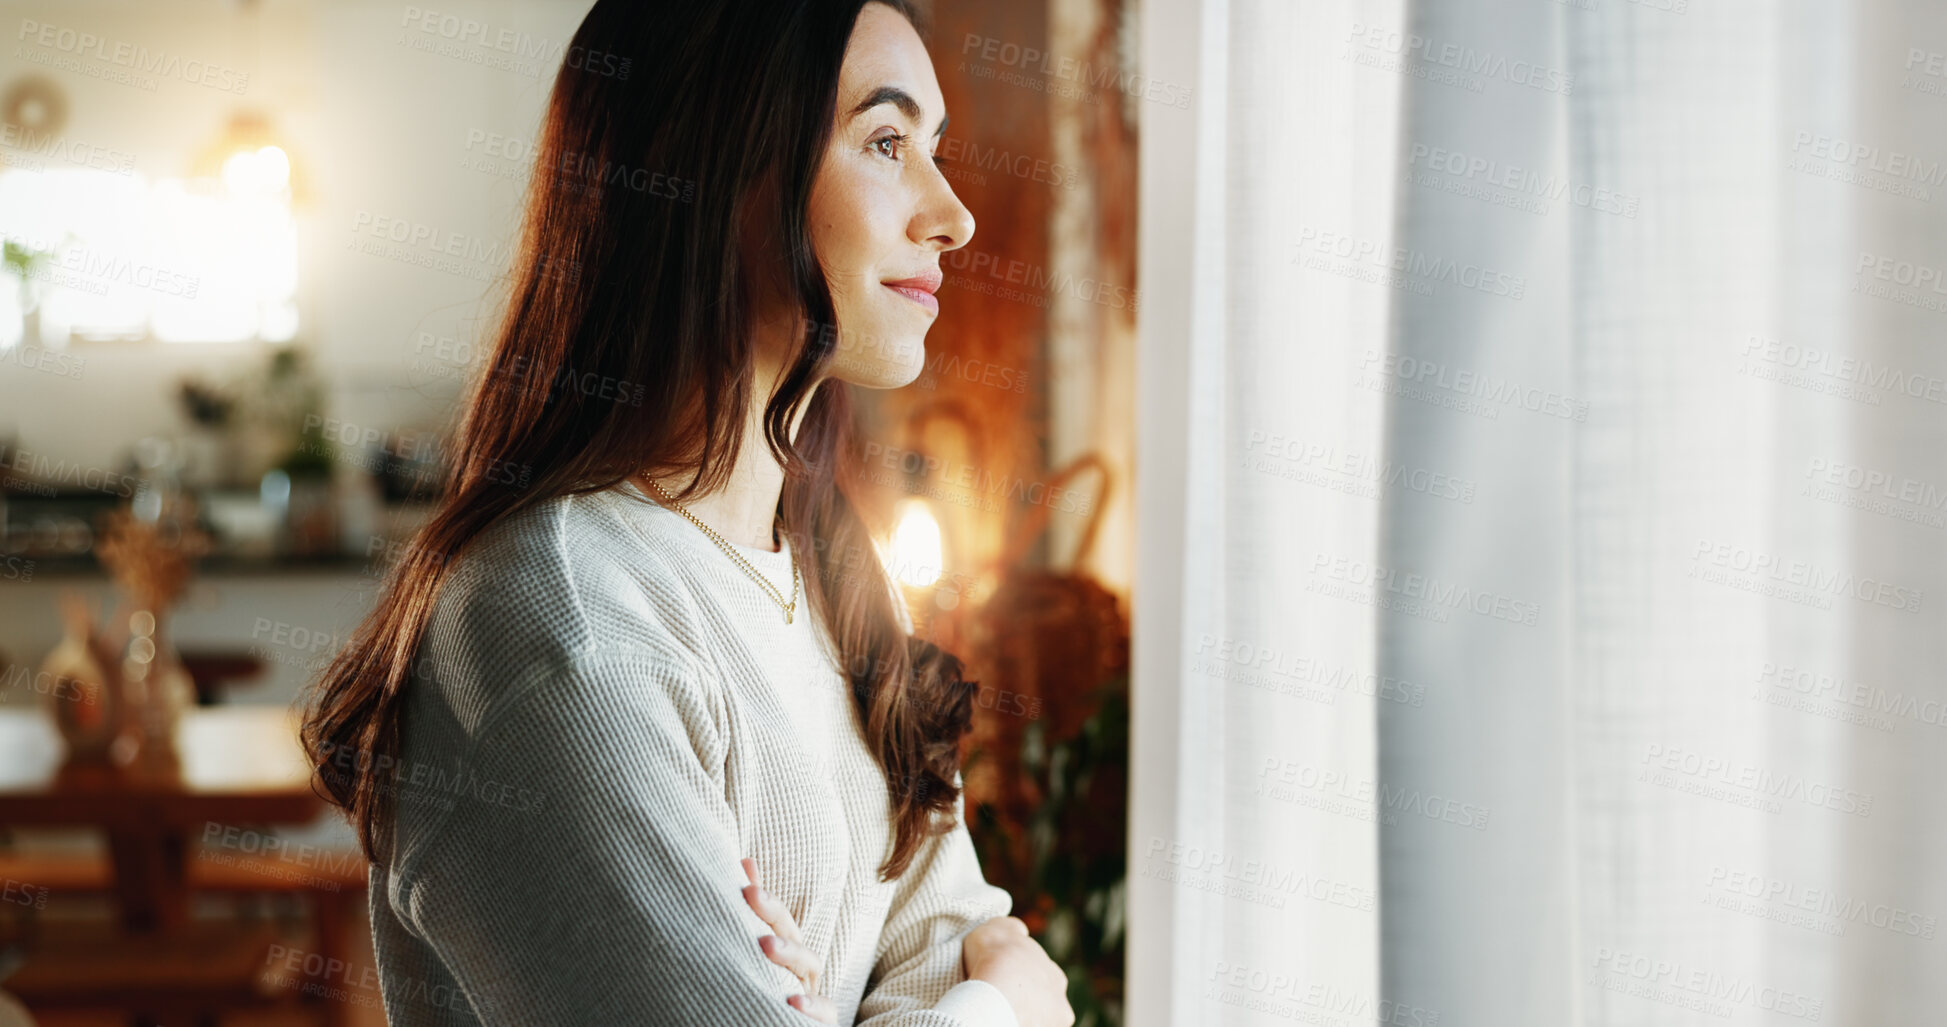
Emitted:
<point x="1542" y="511"/>
<point x="1253" y="875"/>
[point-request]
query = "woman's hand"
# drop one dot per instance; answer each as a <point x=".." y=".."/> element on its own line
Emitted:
<point x="1002" y="953"/>
<point x="783" y="948"/>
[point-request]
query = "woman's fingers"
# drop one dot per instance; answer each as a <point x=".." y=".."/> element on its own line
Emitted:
<point x="771" y="911"/>
<point x="793" y="957"/>
<point x="766" y="905"/>
<point x="784" y="947"/>
<point x="817" y="1007"/>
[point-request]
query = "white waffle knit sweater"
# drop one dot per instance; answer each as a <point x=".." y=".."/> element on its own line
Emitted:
<point x="606" y="714"/>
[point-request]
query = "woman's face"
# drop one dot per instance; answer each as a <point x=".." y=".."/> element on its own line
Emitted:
<point x="881" y="213"/>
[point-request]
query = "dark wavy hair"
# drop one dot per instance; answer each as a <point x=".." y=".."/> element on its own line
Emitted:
<point x="670" y="127"/>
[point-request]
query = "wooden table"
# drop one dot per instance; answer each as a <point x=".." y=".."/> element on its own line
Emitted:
<point x="238" y="765"/>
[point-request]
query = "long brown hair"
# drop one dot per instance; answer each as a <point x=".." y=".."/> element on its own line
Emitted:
<point x="627" y="346"/>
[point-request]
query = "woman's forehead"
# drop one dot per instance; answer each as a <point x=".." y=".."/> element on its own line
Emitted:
<point x="886" y="51"/>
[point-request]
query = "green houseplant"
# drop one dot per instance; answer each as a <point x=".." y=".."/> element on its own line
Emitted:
<point x="1068" y="865"/>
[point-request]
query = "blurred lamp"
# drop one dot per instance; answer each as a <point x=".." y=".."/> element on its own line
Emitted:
<point x="250" y="160"/>
<point x="916" y="553"/>
<point x="266" y="171"/>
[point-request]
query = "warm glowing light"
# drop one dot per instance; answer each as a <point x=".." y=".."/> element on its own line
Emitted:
<point x="916" y="557"/>
<point x="277" y="166"/>
<point x="264" y="171"/>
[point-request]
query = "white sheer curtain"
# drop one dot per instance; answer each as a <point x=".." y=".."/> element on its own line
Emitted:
<point x="1542" y="515"/>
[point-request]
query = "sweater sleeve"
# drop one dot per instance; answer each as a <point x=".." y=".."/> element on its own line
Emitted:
<point x="614" y="899"/>
<point x="941" y="898"/>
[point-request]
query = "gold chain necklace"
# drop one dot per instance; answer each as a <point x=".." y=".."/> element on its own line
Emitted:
<point x="730" y="551"/>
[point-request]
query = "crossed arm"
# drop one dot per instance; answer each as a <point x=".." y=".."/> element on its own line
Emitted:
<point x="617" y="899"/>
<point x="941" y="906"/>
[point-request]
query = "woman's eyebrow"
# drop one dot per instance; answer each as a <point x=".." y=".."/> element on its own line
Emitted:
<point x="898" y="98"/>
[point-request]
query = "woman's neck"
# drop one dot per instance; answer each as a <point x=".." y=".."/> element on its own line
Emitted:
<point x="745" y="508"/>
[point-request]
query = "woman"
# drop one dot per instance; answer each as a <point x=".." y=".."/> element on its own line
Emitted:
<point x="645" y="635"/>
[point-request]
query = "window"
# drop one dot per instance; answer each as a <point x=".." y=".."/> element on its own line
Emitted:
<point x="116" y="256"/>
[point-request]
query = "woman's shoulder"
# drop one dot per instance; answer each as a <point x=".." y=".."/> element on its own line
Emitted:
<point x="550" y="584"/>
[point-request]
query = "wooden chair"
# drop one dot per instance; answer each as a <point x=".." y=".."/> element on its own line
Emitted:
<point x="193" y="974"/>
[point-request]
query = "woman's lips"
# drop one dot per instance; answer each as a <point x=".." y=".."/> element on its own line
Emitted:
<point x="918" y="295"/>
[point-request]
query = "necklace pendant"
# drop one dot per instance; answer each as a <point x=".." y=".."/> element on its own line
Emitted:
<point x="787" y="616"/>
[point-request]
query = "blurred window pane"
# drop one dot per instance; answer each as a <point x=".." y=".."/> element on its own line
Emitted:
<point x="176" y="260"/>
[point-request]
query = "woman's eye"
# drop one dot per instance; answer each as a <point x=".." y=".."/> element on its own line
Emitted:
<point x="895" y="141"/>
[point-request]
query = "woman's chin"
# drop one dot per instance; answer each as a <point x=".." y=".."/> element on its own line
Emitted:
<point x="878" y="372"/>
<point x="889" y="381"/>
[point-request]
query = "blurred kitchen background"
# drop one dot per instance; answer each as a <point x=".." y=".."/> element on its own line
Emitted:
<point x="250" y="250"/>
